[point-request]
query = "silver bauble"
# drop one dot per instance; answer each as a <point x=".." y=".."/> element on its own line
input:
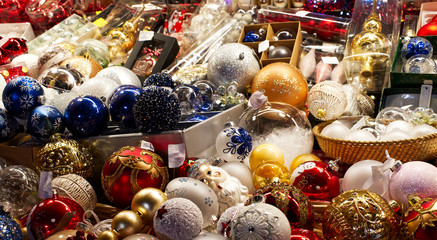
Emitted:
<point x="61" y="78"/>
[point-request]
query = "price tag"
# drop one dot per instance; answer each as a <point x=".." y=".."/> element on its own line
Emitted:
<point x="176" y="155"/>
<point x="146" y="35"/>
<point x="264" y="45"/>
<point x="330" y="60"/>
<point x="100" y="22"/>
<point x="302" y="13"/>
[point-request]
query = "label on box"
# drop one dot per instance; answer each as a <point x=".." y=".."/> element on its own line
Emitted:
<point x="329" y="47"/>
<point x="264" y="45"/>
<point x="176" y="155"/>
<point x="302" y="13"/>
<point x="100" y="22"/>
<point x="330" y="60"/>
<point x="146" y="35"/>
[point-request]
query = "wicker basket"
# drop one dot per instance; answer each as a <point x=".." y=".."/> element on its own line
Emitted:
<point x="414" y="149"/>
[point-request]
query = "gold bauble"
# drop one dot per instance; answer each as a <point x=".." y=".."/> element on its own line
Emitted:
<point x="360" y="215"/>
<point x="127" y="223"/>
<point x="108" y="235"/>
<point x="63" y="156"/>
<point x="146" y="202"/>
<point x="263" y="153"/>
<point x="63" y="235"/>
<point x="306" y="157"/>
<point x="269" y="172"/>
<point x="24" y="231"/>
<point x="282" y="82"/>
<point x="125" y="39"/>
<point x="85" y="65"/>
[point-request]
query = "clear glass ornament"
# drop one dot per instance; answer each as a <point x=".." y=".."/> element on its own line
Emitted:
<point x="190" y="99"/>
<point x="207" y="90"/>
<point x="419" y="64"/>
<point x="388" y="115"/>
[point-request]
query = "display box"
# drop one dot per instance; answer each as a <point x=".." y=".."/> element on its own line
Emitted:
<point x="400" y="97"/>
<point x="20" y="30"/>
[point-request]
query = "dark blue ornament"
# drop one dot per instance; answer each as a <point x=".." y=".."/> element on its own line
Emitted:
<point x="8" y="126"/>
<point x="9" y="229"/>
<point x="160" y="79"/>
<point x="22" y="95"/>
<point x="157" y="109"/>
<point x="45" y="121"/>
<point x="255" y="36"/>
<point x="86" y="116"/>
<point x="415" y="46"/>
<point x="121" y="105"/>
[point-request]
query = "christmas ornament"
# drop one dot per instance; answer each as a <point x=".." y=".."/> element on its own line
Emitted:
<point x="61" y="78"/>
<point x="121" y="75"/>
<point x="327" y="100"/>
<point x="226" y="97"/>
<point x="129" y="170"/>
<point x="224" y="222"/>
<point x="200" y="194"/>
<point x="45" y="121"/>
<point x="357" y="175"/>
<point x="86" y="116"/>
<point x="360" y="136"/>
<point x="282" y="82"/>
<point x="126" y="223"/>
<point x="76" y="188"/>
<point x="255" y="36"/>
<point x="268" y="172"/>
<point x="108" y="235"/>
<point x="140" y="236"/>
<point x="419" y="64"/>
<point x="178" y="218"/>
<point x="279" y="52"/>
<point x="100" y="87"/>
<point x="415" y="46"/>
<point x="64" y="156"/>
<point x="263" y="153"/>
<point x="11" y="48"/>
<point x="9" y="229"/>
<point x="8" y="126"/>
<point x="95" y="50"/>
<point x="233" y="62"/>
<point x="292" y="202"/>
<point x="260" y="221"/>
<point x="316" y="181"/>
<point x="52" y="56"/>
<point x="22" y="95"/>
<point x="429" y="29"/>
<point x="307" y="64"/>
<point x="121" y="105"/>
<point x="303" y="158"/>
<point x="46" y="216"/>
<point x="12" y="11"/>
<point x="146" y="202"/>
<point x="14" y="72"/>
<point x="29" y="61"/>
<point x="207" y="90"/>
<point x="360" y="214"/>
<point x="46" y="14"/>
<point x="423" y="130"/>
<point x="323" y="71"/>
<point x="285" y="34"/>
<point x="160" y="79"/>
<point x="337" y="74"/>
<point x="240" y="171"/>
<point x="303" y="234"/>
<point x="18" y="191"/>
<point x="155" y="104"/>
<point x="190" y="99"/>
<point x="209" y="236"/>
<point x="418" y="220"/>
<point x="85" y="65"/>
<point x="233" y="143"/>
<point x="72" y="235"/>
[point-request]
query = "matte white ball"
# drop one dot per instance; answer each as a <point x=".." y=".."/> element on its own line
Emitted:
<point x="209" y="236"/>
<point x="399" y="125"/>
<point x="199" y="193"/>
<point x="121" y="75"/>
<point x="423" y="130"/>
<point x="100" y="87"/>
<point x="242" y="172"/>
<point x="361" y="135"/>
<point x="357" y="174"/>
<point x="336" y="130"/>
<point x="395" y="135"/>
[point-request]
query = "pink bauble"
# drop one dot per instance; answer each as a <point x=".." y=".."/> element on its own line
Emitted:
<point x="412" y="178"/>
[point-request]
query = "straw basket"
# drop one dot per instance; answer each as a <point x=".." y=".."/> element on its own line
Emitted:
<point x="414" y="149"/>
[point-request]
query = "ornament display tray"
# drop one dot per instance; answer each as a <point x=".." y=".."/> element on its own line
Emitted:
<point x="399" y="97"/>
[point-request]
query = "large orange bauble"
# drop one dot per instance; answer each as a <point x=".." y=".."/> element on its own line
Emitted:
<point x="129" y="170"/>
<point x="282" y="82"/>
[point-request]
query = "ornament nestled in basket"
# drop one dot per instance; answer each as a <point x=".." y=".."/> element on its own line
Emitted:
<point x="419" y="220"/>
<point x="9" y="228"/>
<point x="327" y="100"/>
<point x="233" y="143"/>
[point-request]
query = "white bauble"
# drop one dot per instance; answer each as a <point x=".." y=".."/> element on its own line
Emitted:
<point x="357" y="175"/>
<point x="336" y="130"/>
<point x="361" y="136"/>
<point x="423" y="130"/>
<point x="242" y="172"/>
<point x="121" y="75"/>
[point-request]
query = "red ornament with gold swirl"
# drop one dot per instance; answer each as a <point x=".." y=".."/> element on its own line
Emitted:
<point x="419" y="222"/>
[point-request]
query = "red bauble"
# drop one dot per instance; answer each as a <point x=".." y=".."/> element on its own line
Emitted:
<point x="292" y="202"/>
<point x="14" y="72"/>
<point x="316" y="180"/>
<point x="12" y="11"/>
<point x="183" y="170"/>
<point x="303" y="234"/>
<point x="129" y="170"/>
<point x="429" y="29"/>
<point x="15" y="47"/>
<point x="45" y="217"/>
<point x="419" y="220"/>
<point x="45" y="14"/>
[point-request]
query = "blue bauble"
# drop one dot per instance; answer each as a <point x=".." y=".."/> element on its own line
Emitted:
<point x="45" y="121"/>
<point x="190" y="99"/>
<point x="233" y="143"/>
<point x="121" y="105"/>
<point x="86" y="116"/>
<point x="9" y="229"/>
<point x="255" y="36"/>
<point x="22" y="95"/>
<point x="414" y="46"/>
<point x="8" y="126"/>
<point x="160" y="79"/>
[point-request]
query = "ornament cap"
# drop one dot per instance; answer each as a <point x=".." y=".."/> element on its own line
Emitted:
<point x="413" y="200"/>
<point x="397" y="208"/>
<point x="229" y="124"/>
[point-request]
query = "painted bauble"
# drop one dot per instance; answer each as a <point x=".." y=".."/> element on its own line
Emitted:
<point x="130" y="169"/>
<point x="197" y="192"/>
<point x="263" y="153"/>
<point x="360" y="214"/>
<point x="76" y="188"/>
<point x="126" y="223"/>
<point x="9" y="229"/>
<point x="209" y="236"/>
<point x="178" y="218"/>
<point x="233" y="62"/>
<point x="282" y="82"/>
<point x="410" y="178"/>
<point x="87" y="66"/>
<point x="190" y="99"/>
<point x="121" y="105"/>
<point x="140" y="236"/>
<point x="357" y="175"/>
<point x="9" y="126"/>
<point x="303" y="158"/>
<point x="22" y="95"/>
<point x="64" y="156"/>
<point x="292" y="202"/>
<point x="260" y="221"/>
<point x="160" y="79"/>
<point x="316" y="181"/>
<point x="146" y="202"/>
<point x="44" y="218"/>
<point x="327" y="100"/>
<point x="121" y="75"/>
<point x="45" y="121"/>
<point x="233" y="143"/>
<point x="86" y="116"/>
<point x="336" y="130"/>
<point x="303" y="234"/>
<point x="94" y="49"/>
<point x="414" y="46"/>
<point x="61" y="78"/>
<point x="268" y="172"/>
<point x="242" y="172"/>
<point x="418" y="220"/>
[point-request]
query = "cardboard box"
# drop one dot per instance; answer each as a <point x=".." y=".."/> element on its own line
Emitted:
<point x="427" y="12"/>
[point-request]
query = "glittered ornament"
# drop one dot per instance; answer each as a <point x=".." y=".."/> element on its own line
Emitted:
<point x="282" y="82"/>
<point x="414" y="46"/>
<point x="76" y="188"/>
<point x="154" y="105"/>
<point x="61" y="78"/>
<point x="178" y="218"/>
<point x="12" y="11"/>
<point x="233" y="143"/>
<point x="268" y="172"/>
<point x="159" y="79"/>
<point x="360" y="214"/>
<point x="303" y="234"/>
<point x="85" y="65"/>
<point x="292" y="202"/>
<point x="327" y="100"/>
<point x="46" y="14"/>
<point x="45" y="121"/>
<point x="46" y="216"/>
<point x="100" y="87"/>
<point x="130" y="169"/>
<point x="419" y="64"/>
<point x="233" y="62"/>
<point x="94" y="49"/>
<point x="279" y="52"/>
<point x="121" y="105"/>
<point x="146" y="202"/>
<point x="121" y="75"/>
<point x="8" y="126"/>
<point x="63" y="156"/>
<point x="419" y="220"/>
<point x="224" y="222"/>
<point x="190" y="99"/>
<point x="22" y="95"/>
<point x="86" y="116"/>
<point x="263" y="153"/>
<point x="9" y="229"/>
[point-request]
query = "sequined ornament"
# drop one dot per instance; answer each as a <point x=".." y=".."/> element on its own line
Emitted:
<point x="22" y="95"/>
<point x="121" y="105"/>
<point x="64" y="156"/>
<point x="14" y="72"/>
<point x="45" y="217"/>
<point x="327" y="100"/>
<point x="9" y="127"/>
<point x="303" y="234"/>
<point x="160" y="79"/>
<point x="154" y="105"/>
<point x="419" y="64"/>
<point x="282" y="82"/>
<point x="419" y="220"/>
<point x="86" y="116"/>
<point x="414" y="46"/>
<point x="146" y="202"/>
<point x="9" y="229"/>
<point x="76" y="188"/>
<point x="190" y="99"/>
<point x="292" y="202"/>
<point x="45" y="121"/>
<point x="120" y="75"/>
<point x="18" y="191"/>
<point x="61" y="78"/>
<point x="233" y="143"/>
<point x="130" y="169"/>
<point x="94" y="49"/>
<point x="233" y="62"/>
<point x="85" y="65"/>
<point x="45" y="14"/>
<point x="360" y="214"/>
<point x="269" y="172"/>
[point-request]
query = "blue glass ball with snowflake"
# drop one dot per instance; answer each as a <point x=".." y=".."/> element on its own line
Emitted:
<point x="121" y="104"/>
<point x="45" y="121"/>
<point x="8" y="126"/>
<point x="233" y="143"/>
<point x="9" y="229"/>
<point x="22" y="95"/>
<point x="415" y="46"/>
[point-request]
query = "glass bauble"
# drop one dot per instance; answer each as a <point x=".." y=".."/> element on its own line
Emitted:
<point x="61" y="78"/>
<point x="414" y="46"/>
<point x="94" y="49"/>
<point x="420" y="64"/>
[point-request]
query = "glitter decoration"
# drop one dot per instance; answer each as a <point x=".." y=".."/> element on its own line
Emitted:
<point x="157" y="109"/>
<point x="100" y="87"/>
<point x="160" y="79"/>
<point x="121" y="75"/>
<point x="9" y="229"/>
<point x="327" y="100"/>
<point x="414" y="46"/>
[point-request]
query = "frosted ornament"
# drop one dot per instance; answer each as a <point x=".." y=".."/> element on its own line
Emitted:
<point x="100" y="87"/>
<point x="423" y="130"/>
<point x="327" y="100"/>
<point x="308" y="63"/>
<point x="357" y="174"/>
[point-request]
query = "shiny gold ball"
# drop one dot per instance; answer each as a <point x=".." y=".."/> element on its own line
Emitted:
<point x="263" y="153"/>
<point x="108" y="235"/>
<point x="146" y="202"/>
<point x="85" y="65"/>
<point x="303" y="158"/>
<point x="127" y="223"/>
